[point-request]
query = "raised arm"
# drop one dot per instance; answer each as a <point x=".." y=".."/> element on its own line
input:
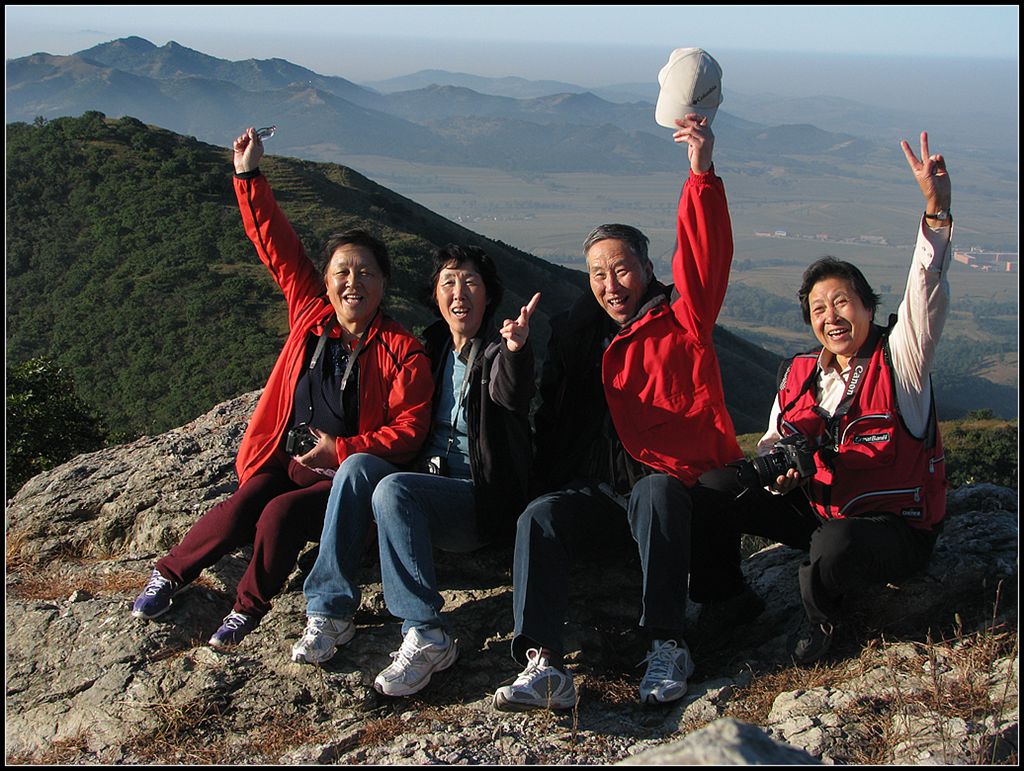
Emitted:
<point x="704" y="247"/>
<point x="922" y="313"/>
<point x="276" y="243"/>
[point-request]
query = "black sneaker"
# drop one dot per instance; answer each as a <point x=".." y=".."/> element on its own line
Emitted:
<point x="812" y="641"/>
<point x="723" y="615"/>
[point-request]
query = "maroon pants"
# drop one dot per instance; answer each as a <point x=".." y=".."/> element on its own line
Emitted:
<point x="271" y="512"/>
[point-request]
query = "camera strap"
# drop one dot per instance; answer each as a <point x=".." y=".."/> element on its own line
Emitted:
<point x="317" y="353"/>
<point x="474" y="348"/>
<point x="853" y="383"/>
<point x="352" y="356"/>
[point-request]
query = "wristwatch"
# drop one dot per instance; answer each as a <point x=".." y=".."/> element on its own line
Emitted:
<point x="942" y="215"/>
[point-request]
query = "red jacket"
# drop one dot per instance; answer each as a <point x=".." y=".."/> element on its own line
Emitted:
<point x="661" y="375"/>
<point x="880" y="466"/>
<point x="395" y="383"/>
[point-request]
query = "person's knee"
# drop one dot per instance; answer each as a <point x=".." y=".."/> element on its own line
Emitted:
<point x="357" y="465"/>
<point x="540" y="514"/>
<point x="392" y="500"/>
<point x="834" y="546"/>
<point x="836" y="536"/>
<point x="277" y="519"/>
<point x="660" y="497"/>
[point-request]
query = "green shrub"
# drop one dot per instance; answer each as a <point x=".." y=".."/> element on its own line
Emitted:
<point x="46" y="421"/>
<point x="981" y="450"/>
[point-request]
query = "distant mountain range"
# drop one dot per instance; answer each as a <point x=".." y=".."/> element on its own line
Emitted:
<point x="436" y="117"/>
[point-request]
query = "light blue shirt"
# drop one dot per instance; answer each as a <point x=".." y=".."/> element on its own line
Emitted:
<point x="447" y="412"/>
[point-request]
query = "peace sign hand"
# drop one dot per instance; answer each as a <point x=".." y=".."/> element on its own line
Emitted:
<point x="931" y="175"/>
<point x="516" y="332"/>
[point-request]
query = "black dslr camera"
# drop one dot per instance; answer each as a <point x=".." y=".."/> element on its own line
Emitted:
<point x="300" y="440"/>
<point x="791" y="452"/>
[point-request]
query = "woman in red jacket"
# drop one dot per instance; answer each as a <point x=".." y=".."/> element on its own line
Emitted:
<point x="348" y="380"/>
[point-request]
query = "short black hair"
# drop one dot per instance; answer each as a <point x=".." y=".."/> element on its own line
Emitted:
<point x="356" y="237"/>
<point x="830" y="267"/>
<point x="455" y="256"/>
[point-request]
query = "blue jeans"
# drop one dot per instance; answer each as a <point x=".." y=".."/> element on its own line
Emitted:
<point x="332" y="587"/>
<point x="559" y="526"/>
<point x="415" y="513"/>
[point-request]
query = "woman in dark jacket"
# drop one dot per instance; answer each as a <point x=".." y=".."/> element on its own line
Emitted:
<point x="469" y="487"/>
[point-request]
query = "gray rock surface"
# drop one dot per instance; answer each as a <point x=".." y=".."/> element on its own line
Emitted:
<point x="726" y="742"/>
<point x="87" y="683"/>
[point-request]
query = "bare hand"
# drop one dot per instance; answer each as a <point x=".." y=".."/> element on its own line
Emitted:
<point x="516" y="332"/>
<point x="931" y="175"/>
<point x="696" y="132"/>
<point x="324" y="455"/>
<point x="787" y="482"/>
<point x="248" y="149"/>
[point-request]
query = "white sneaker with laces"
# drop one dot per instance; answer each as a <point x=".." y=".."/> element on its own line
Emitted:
<point x="321" y="639"/>
<point x="668" y="665"/>
<point x="415" y="661"/>
<point x="539" y="686"/>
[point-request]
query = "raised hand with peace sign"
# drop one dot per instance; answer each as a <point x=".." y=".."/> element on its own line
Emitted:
<point x="933" y="179"/>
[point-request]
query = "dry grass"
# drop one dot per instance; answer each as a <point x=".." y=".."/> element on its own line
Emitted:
<point x="182" y="734"/>
<point x="59" y="581"/>
<point x="928" y="685"/>
<point x="61" y="752"/>
<point x="611" y="689"/>
<point x="277" y="735"/>
<point x="382" y="730"/>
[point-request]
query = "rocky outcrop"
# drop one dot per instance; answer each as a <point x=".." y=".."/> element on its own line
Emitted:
<point x="87" y="683"/>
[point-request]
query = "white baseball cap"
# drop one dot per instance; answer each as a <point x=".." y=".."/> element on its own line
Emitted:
<point x="690" y="82"/>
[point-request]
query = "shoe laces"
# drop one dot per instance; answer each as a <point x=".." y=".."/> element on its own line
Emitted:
<point x="156" y="584"/>
<point x="235" y="621"/>
<point x="535" y="661"/>
<point x="407" y="651"/>
<point x="315" y="626"/>
<point x="661" y="659"/>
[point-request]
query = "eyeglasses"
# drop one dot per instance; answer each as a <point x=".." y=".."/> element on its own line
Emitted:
<point x="266" y="132"/>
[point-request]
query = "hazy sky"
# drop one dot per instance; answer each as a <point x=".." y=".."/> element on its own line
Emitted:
<point x="790" y="50"/>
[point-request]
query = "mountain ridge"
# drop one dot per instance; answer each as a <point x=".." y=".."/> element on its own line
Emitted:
<point x="609" y="137"/>
<point x="146" y="287"/>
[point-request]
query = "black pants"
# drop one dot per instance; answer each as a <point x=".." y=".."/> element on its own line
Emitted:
<point x="558" y="527"/>
<point x="843" y="554"/>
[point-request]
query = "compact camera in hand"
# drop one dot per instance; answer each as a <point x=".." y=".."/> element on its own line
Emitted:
<point x="300" y="440"/>
<point x="791" y="452"/>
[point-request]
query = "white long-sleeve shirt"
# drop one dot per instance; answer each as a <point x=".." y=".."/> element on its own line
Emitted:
<point x="920" y="319"/>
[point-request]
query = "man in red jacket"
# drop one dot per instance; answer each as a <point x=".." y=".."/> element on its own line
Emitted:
<point x="632" y="413"/>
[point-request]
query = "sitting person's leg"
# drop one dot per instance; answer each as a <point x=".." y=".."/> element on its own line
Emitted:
<point x="659" y="517"/>
<point x="229" y="525"/>
<point x="552" y="530"/>
<point x="846" y="555"/>
<point x="415" y="513"/>
<point x="332" y="586"/>
<point x="288" y="523"/>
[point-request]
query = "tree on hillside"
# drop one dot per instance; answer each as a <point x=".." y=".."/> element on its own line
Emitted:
<point x="47" y="423"/>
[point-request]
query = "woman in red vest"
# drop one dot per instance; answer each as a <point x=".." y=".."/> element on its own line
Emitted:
<point x="851" y="468"/>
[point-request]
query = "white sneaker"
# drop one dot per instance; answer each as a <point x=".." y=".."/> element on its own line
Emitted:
<point x="539" y="686"/>
<point x="668" y="666"/>
<point x="321" y="639"/>
<point x="414" y="663"/>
